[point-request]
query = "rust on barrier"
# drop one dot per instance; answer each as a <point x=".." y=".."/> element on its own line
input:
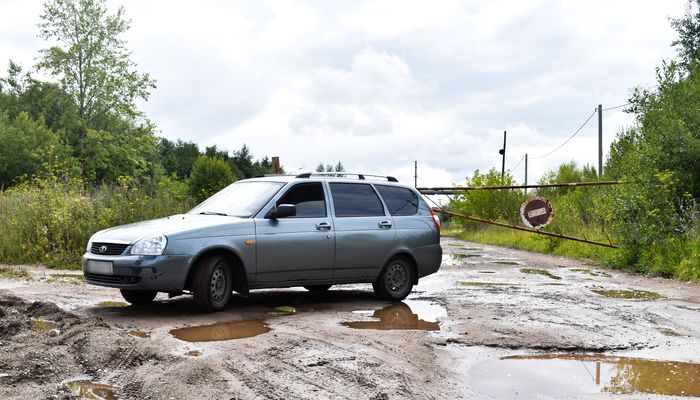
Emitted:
<point x="520" y="228"/>
<point x="453" y="189"/>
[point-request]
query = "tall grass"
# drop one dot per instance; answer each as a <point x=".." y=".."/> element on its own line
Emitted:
<point x="50" y="220"/>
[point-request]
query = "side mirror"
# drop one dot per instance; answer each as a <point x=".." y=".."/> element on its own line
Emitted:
<point x="282" y="211"/>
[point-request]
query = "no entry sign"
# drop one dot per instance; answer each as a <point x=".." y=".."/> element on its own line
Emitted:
<point x="536" y="212"/>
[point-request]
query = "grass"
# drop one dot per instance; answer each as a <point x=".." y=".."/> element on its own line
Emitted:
<point x="14" y="273"/>
<point x="630" y="294"/>
<point x="480" y="284"/>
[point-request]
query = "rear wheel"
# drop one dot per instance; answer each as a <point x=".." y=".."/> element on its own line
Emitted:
<point x="137" y="297"/>
<point x="212" y="283"/>
<point x="395" y="281"/>
<point x="317" y="288"/>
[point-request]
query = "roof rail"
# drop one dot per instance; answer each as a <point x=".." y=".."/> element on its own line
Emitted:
<point x="266" y="175"/>
<point x="345" y="174"/>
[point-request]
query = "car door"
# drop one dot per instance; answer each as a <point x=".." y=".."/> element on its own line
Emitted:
<point x="364" y="231"/>
<point x="301" y="247"/>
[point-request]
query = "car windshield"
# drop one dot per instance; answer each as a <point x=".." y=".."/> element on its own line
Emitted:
<point x="241" y="199"/>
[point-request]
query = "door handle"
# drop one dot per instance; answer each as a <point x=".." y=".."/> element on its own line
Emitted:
<point x="384" y="224"/>
<point x="323" y="226"/>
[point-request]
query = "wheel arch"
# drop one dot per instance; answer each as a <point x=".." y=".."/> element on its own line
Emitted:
<point x="410" y="258"/>
<point x="240" y="280"/>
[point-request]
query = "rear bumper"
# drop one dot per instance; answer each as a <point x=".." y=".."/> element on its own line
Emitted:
<point x="428" y="259"/>
<point x="160" y="273"/>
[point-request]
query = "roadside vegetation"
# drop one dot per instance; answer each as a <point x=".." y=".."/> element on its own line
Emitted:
<point x="654" y="218"/>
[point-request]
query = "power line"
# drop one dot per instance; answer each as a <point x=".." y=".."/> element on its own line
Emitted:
<point x="516" y="164"/>
<point x="569" y="138"/>
<point x="612" y="108"/>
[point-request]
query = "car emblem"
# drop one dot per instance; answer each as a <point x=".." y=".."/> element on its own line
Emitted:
<point x="103" y="249"/>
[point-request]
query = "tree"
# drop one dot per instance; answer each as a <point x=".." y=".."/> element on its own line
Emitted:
<point x="330" y="168"/>
<point x="209" y="175"/>
<point x="178" y="157"/>
<point x="90" y="61"/>
<point x="688" y="42"/>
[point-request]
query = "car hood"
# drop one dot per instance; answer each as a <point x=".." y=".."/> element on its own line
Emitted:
<point x="169" y="226"/>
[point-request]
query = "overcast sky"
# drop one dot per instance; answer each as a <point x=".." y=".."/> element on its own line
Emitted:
<point x="379" y="84"/>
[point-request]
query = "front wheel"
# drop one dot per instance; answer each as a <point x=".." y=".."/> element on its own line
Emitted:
<point x="138" y="297"/>
<point x="212" y="284"/>
<point x="396" y="280"/>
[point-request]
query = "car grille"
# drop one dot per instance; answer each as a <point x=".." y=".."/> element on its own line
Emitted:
<point x="110" y="249"/>
<point x="113" y="279"/>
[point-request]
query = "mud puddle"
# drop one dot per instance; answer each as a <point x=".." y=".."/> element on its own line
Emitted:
<point x="457" y="258"/>
<point x="579" y="374"/>
<point x="43" y="325"/>
<point x="140" y="334"/>
<point x="629" y="294"/>
<point x="112" y="304"/>
<point x="221" y="331"/>
<point x="537" y="271"/>
<point x="89" y="390"/>
<point x="408" y="315"/>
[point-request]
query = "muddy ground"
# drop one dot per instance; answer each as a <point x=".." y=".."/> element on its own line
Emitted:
<point x="493" y="323"/>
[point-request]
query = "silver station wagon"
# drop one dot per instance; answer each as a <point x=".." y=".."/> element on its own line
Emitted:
<point x="310" y="230"/>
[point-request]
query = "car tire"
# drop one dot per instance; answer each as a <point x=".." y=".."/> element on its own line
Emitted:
<point x="396" y="280"/>
<point x="212" y="284"/>
<point x="318" y="288"/>
<point x="138" y="297"/>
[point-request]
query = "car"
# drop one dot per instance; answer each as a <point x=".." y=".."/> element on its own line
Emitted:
<point x="312" y="230"/>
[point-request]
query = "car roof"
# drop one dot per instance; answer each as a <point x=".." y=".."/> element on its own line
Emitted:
<point x="344" y="177"/>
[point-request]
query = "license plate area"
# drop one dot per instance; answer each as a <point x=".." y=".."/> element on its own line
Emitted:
<point x="99" y="267"/>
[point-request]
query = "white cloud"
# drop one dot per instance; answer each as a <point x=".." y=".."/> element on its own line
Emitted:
<point x="379" y="84"/>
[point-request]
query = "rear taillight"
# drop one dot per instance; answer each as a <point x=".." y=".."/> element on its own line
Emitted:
<point x="435" y="219"/>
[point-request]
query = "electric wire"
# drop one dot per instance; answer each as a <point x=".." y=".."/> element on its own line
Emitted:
<point x="516" y="164"/>
<point x="612" y="108"/>
<point x="569" y="138"/>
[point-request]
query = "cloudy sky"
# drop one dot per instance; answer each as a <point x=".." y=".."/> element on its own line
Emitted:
<point x="379" y="84"/>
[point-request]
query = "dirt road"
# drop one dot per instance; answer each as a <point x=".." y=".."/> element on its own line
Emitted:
<point x="493" y="323"/>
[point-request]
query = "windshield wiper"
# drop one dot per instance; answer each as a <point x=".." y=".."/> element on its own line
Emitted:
<point x="213" y="213"/>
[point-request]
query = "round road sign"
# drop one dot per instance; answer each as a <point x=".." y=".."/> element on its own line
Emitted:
<point x="536" y="212"/>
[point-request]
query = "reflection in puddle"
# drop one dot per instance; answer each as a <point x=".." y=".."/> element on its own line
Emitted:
<point x="221" y="331"/>
<point x="88" y="390"/>
<point x="629" y="294"/>
<point x="590" y="272"/>
<point x="43" y="324"/>
<point x="578" y="374"/>
<point x="456" y="258"/>
<point x="401" y="316"/>
<point x="111" y="303"/>
<point x="140" y="334"/>
<point x="283" y="310"/>
<point x="537" y="271"/>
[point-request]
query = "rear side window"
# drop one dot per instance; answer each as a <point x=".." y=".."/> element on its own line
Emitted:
<point x="400" y="201"/>
<point x="309" y="199"/>
<point x="355" y="200"/>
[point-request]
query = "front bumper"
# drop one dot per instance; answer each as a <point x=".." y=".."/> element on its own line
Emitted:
<point x="160" y="273"/>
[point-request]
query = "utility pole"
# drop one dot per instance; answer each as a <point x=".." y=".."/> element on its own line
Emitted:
<point x="503" y="153"/>
<point x="600" y="140"/>
<point x="415" y="174"/>
<point x="525" y="172"/>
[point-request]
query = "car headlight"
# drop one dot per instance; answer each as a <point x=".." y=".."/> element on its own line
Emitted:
<point x="150" y="246"/>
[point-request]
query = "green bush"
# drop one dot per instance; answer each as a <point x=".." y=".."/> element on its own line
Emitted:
<point x="50" y="220"/>
<point x="209" y="175"/>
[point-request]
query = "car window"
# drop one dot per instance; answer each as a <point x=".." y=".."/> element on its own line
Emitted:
<point x="308" y="198"/>
<point x="355" y="200"/>
<point x="399" y="201"/>
<point x="240" y="199"/>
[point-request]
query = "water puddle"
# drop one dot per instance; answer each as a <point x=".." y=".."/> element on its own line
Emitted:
<point x="457" y="258"/>
<point x="112" y="304"/>
<point x="629" y="294"/>
<point x="579" y="374"/>
<point x="537" y="271"/>
<point x="485" y="272"/>
<point x="221" y="331"/>
<point x="505" y="262"/>
<point x="590" y="272"/>
<point x="140" y="334"/>
<point x="668" y="332"/>
<point x="420" y="315"/>
<point x="43" y="325"/>
<point x="194" y="353"/>
<point x="89" y="390"/>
